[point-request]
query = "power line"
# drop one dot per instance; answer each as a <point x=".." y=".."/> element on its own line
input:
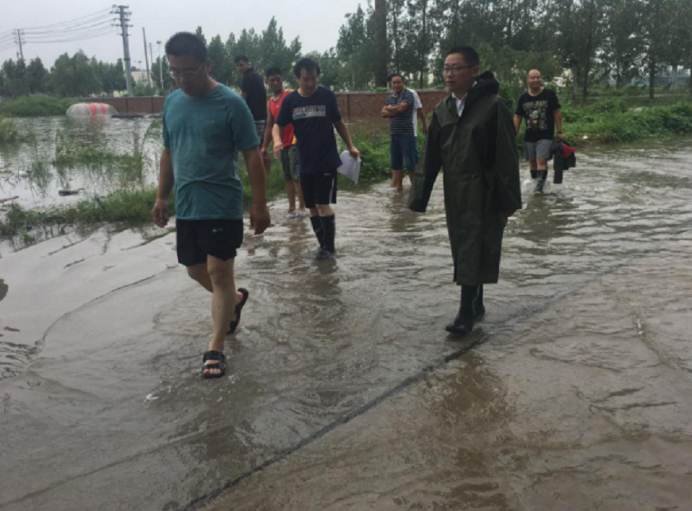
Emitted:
<point x="69" y="21"/>
<point x="102" y="28"/>
<point x="81" y="26"/>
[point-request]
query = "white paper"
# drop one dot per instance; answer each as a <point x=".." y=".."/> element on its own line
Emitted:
<point x="350" y="167"/>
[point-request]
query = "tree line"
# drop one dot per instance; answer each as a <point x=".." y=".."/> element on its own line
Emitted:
<point x="613" y="43"/>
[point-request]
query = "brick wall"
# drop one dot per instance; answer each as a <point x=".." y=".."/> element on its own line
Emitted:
<point x="353" y="105"/>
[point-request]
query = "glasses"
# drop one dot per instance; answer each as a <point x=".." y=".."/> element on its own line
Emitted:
<point x="453" y="70"/>
<point x="183" y="74"/>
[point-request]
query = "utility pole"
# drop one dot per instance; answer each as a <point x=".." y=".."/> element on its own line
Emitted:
<point x="161" y="65"/>
<point x="382" y="55"/>
<point x="146" y="57"/>
<point x="19" y="32"/>
<point x="124" y="17"/>
<point x="151" y="58"/>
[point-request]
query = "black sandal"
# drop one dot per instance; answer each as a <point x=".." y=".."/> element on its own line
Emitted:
<point x="238" y="309"/>
<point x="221" y="366"/>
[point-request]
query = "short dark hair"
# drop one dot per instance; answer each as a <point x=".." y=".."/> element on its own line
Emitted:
<point x="470" y="55"/>
<point x="308" y="64"/>
<point x="394" y="75"/>
<point x="274" y="71"/>
<point x="186" y="43"/>
<point x="242" y="58"/>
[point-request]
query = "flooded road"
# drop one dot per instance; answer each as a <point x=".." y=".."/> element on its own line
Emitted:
<point x="344" y="391"/>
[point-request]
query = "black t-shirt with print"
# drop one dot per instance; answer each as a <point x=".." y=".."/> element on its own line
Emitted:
<point x="313" y="120"/>
<point x="256" y="99"/>
<point x="538" y="112"/>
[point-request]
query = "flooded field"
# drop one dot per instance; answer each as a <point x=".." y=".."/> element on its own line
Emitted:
<point x="343" y="390"/>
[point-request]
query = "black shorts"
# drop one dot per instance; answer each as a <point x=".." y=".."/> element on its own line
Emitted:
<point x="198" y="238"/>
<point x="318" y="188"/>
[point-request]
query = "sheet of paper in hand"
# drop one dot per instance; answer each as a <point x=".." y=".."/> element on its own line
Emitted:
<point x="350" y="167"/>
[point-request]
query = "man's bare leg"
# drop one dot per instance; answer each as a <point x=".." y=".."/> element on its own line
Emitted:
<point x="398" y="180"/>
<point x="411" y="175"/>
<point x="200" y="273"/>
<point x="299" y="193"/>
<point x="223" y="302"/>
<point x="291" y="194"/>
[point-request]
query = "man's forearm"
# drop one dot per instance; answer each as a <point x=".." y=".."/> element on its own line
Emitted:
<point x="558" y="121"/>
<point x="517" y="124"/>
<point x="166" y="179"/>
<point x="342" y="130"/>
<point x="276" y="134"/>
<point x="268" y="131"/>
<point x="255" y="170"/>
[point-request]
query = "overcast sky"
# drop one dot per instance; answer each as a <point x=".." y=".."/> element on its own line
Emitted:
<point x="316" y="22"/>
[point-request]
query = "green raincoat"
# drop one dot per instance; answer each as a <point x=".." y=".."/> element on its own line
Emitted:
<point x="478" y="155"/>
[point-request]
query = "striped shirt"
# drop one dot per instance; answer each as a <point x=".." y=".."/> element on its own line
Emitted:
<point x="401" y="124"/>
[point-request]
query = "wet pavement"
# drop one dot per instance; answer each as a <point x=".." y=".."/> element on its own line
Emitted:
<point x="344" y="391"/>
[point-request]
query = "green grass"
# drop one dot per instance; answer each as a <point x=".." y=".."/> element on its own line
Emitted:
<point x="129" y="169"/>
<point x="38" y="106"/>
<point x="132" y="208"/>
<point x="9" y="133"/>
<point x="612" y="121"/>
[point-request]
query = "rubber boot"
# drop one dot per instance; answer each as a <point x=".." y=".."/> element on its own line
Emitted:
<point x="329" y="229"/>
<point x="542" y="177"/>
<point x="463" y="323"/>
<point x="319" y="231"/>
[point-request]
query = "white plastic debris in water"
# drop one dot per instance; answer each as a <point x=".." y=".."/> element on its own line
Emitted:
<point x="91" y="110"/>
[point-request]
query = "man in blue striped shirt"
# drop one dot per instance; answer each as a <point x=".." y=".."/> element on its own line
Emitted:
<point x="398" y="110"/>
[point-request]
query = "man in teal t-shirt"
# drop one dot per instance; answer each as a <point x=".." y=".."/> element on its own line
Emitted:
<point x="205" y="124"/>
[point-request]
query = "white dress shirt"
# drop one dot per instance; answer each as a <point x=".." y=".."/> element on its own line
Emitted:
<point x="461" y="103"/>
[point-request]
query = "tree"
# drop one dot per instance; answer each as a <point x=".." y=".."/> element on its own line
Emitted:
<point x="420" y="28"/>
<point x="355" y="49"/>
<point x="37" y="77"/>
<point x="15" y="82"/>
<point x="220" y="60"/>
<point x="657" y="16"/>
<point x="273" y="50"/>
<point x="74" y="77"/>
<point x="394" y="15"/>
<point x="200" y="34"/>
<point x="622" y="45"/>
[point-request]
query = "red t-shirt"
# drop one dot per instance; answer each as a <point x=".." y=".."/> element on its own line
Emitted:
<point x="287" y="133"/>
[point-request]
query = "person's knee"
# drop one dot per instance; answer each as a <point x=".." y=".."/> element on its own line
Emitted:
<point x="324" y="209"/>
<point x="220" y="273"/>
<point x="197" y="272"/>
<point x="541" y="163"/>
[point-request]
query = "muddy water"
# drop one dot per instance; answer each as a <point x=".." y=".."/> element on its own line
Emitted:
<point x="344" y="391"/>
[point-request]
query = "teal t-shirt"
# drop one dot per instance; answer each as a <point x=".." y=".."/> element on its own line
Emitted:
<point x="204" y="136"/>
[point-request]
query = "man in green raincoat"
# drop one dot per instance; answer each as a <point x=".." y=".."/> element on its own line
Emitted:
<point x="471" y="137"/>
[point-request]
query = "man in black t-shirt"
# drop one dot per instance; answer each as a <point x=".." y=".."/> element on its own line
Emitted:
<point x="255" y="95"/>
<point x="314" y="113"/>
<point x="540" y="108"/>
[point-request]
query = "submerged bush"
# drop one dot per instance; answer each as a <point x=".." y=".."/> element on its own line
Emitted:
<point x="8" y="131"/>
